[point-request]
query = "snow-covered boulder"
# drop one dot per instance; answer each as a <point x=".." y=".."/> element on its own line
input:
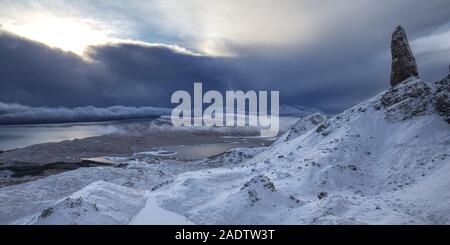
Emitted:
<point x="232" y="157"/>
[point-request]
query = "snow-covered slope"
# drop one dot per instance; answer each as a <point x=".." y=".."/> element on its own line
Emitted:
<point x="108" y="203"/>
<point x="302" y="126"/>
<point x="25" y="203"/>
<point x="384" y="161"/>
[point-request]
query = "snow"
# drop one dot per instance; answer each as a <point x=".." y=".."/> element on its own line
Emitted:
<point x="384" y="161"/>
<point x="153" y="214"/>
<point x="302" y="126"/>
<point x="23" y="203"/>
<point x="98" y="203"/>
<point x="370" y="167"/>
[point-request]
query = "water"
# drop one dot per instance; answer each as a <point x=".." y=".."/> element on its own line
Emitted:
<point x="200" y="151"/>
<point x="18" y="136"/>
<point x="195" y="152"/>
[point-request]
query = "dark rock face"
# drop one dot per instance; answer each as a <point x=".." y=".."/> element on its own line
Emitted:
<point x="416" y="98"/>
<point x="322" y="195"/>
<point x="442" y="98"/>
<point x="406" y="102"/>
<point x="403" y="62"/>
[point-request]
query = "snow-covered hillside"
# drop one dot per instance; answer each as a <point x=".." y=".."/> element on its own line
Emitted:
<point x="381" y="162"/>
<point x="384" y="161"/>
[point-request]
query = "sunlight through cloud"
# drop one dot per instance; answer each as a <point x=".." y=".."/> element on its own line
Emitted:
<point x="69" y="34"/>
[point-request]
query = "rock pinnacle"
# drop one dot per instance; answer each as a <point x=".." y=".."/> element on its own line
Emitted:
<point x="403" y="62"/>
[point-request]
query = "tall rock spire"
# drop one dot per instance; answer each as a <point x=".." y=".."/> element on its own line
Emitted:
<point x="403" y="62"/>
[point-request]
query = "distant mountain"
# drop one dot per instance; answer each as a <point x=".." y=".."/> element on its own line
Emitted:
<point x="297" y="110"/>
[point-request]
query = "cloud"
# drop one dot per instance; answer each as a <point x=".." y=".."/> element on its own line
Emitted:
<point x="20" y="114"/>
<point x="322" y="54"/>
<point x="218" y="27"/>
<point x="227" y="27"/>
<point x="130" y="74"/>
<point x="434" y="48"/>
<point x="13" y="113"/>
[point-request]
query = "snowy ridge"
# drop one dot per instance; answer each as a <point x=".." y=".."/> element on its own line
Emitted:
<point x="303" y="125"/>
<point x="25" y="203"/>
<point x="233" y="157"/>
<point x="108" y="203"/>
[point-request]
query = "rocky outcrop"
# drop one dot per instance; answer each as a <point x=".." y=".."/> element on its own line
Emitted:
<point x="414" y="98"/>
<point x="305" y="124"/>
<point x="411" y="99"/>
<point x="442" y="98"/>
<point x="403" y="62"/>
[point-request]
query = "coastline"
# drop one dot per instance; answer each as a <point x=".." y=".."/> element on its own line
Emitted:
<point x="42" y="160"/>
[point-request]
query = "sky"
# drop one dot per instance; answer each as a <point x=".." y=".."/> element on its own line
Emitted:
<point x="326" y="54"/>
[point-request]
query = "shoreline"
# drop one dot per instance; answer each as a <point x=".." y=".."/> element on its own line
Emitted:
<point x="42" y="160"/>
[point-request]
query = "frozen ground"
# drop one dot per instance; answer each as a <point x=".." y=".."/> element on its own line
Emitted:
<point x="384" y="161"/>
<point x="153" y="214"/>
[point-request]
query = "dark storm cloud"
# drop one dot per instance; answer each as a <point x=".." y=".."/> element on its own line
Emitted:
<point x="119" y="74"/>
<point x="34" y="74"/>
<point x="146" y="74"/>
